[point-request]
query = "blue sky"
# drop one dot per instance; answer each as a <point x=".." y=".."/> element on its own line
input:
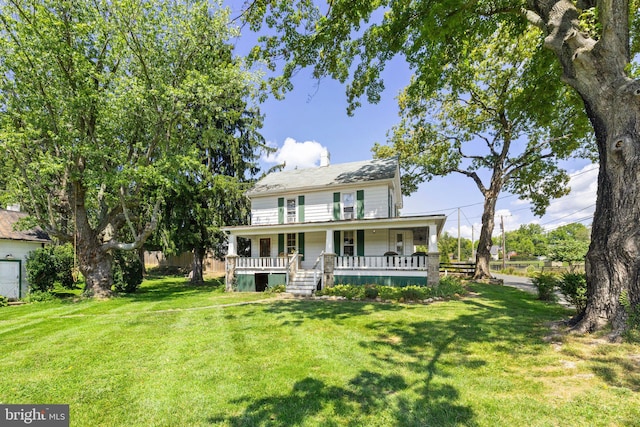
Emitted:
<point x="314" y="116"/>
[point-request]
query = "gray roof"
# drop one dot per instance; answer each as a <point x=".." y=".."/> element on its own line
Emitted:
<point x="7" y="221"/>
<point x="339" y="174"/>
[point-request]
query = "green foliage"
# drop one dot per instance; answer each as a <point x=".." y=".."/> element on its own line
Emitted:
<point x="106" y="107"/>
<point x="371" y="292"/>
<point x="127" y="272"/>
<point x="574" y="288"/>
<point x="277" y="289"/>
<point x="50" y="265"/>
<point x="546" y="284"/>
<point x="388" y="293"/>
<point x="448" y="286"/>
<point x="35" y="295"/>
<point x="4" y="301"/>
<point x="528" y="241"/>
<point x="633" y="317"/>
<point x="448" y="246"/>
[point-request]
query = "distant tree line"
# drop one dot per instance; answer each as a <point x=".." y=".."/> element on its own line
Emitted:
<point x="568" y="243"/>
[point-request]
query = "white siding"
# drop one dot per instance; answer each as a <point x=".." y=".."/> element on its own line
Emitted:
<point x="375" y="244"/>
<point x="264" y="210"/>
<point x="19" y="250"/>
<point x="319" y="204"/>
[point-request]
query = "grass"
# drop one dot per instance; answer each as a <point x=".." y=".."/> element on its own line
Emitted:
<point x="175" y="354"/>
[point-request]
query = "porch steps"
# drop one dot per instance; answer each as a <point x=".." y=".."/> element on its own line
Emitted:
<point x="302" y="283"/>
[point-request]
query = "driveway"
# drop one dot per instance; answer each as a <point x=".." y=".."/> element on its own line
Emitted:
<point x="524" y="284"/>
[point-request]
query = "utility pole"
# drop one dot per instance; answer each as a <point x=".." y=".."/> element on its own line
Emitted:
<point x="504" y="244"/>
<point x="458" y="234"/>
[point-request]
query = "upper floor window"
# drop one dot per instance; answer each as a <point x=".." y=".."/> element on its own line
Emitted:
<point x="348" y="202"/>
<point x="291" y="210"/>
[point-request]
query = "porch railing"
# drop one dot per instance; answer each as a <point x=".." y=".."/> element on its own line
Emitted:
<point x="262" y="263"/>
<point x="395" y="262"/>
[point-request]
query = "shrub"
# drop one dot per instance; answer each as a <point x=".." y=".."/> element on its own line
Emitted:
<point x="371" y="292"/>
<point x="389" y="293"/>
<point x="4" y="301"/>
<point x="546" y="284"/>
<point x="413" y="293"/>
<point x="277" y="289"/>
<point x="574" y="288"/>
<point x="448" y="286"/>
<point x="127" y="271"/>
<point x="39" y="296"/>
<point x="50" y="265"/>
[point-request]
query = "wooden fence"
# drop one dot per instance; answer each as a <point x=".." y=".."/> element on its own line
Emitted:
<point x="211" y="266"/>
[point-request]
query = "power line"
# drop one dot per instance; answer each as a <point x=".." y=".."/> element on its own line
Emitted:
<point x="568" y="215"/>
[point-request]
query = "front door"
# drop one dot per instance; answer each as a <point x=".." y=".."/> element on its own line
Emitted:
<point x="265" y="248"/>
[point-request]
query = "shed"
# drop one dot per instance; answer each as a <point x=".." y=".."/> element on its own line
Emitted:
<point x="15" y="246"/>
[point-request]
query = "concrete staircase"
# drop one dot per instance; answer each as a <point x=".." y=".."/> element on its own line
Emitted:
<point x="302" y="283"/>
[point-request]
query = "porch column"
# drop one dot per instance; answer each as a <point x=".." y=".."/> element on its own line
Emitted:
<point x="328" y="244"/>
<point x="329" y="264"/>
<point x="433" y="259"/>
<point x="233" y="244"/>
<point x="433" y="239"/>
<point x="230" y="272"/>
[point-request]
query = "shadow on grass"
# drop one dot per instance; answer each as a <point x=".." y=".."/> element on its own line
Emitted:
<point x="410" y="380"/>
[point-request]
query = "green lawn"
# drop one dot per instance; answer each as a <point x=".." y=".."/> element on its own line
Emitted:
<point x="177" y="355"/>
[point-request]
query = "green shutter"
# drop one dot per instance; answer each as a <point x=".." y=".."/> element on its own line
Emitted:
<point x="300" y="208"/>
<point x="301" y="245"/>
<point x="280" y="244"/>
<point x="336" y="206"/>
<point x="336" y="242"/>
<point x="360" y="242"/>
<point x="280" y="210"/>
<point x="360" y="204"/>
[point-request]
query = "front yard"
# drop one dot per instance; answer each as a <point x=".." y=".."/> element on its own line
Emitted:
<point x="175" y="355"/>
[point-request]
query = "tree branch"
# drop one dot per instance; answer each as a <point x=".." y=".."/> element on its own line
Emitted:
<point x="141" y="237"/>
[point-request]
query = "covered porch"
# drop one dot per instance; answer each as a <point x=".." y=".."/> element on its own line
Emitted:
<point x="391" y="251"/>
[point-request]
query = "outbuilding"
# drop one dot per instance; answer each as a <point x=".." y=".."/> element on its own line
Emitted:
<point x="15" y="246"/>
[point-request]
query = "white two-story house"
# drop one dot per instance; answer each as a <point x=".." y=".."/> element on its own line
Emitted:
<point x="332" y="224"/>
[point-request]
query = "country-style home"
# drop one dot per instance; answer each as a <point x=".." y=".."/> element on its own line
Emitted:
<point x="315" y="227"/>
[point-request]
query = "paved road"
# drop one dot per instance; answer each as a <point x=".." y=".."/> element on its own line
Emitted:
<point x="524" y="284"/>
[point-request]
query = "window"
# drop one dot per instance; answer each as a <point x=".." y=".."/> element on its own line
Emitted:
<point x="291" y="210"/>
<point x="291" y="243"/>
<point x="347" y="206"/>
<point x="347" y="246"/>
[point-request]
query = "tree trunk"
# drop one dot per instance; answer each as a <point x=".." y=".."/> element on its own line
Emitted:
<point x="198" y="261"/>
<point x="95" y="265"/>
<point x="596" y="69"/>
<point x="483" y="255"/>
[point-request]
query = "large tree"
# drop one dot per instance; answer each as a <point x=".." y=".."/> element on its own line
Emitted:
<point x="97" y="104"/>
<point x="591" y="40"/>
<point x="491" y="123"/>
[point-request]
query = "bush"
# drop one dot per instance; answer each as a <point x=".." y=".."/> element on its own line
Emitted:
<point x="448" y="286"/>
<point x="546" y="284"/>
<point x="127" y="272"/>
<point x="414" y="293"/>
<point x="50" y="265"/>
<point x="4" y="301"/>
<point x="388" y="293"/>
<point x="277" y="289"/>
<point x="574" y="288"/>
<point x="371" y="292"/>
<point x="39" y="296"/>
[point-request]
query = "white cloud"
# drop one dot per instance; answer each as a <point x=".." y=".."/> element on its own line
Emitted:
<point x="297" y="154"/>
<point x="579" y="204"/>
